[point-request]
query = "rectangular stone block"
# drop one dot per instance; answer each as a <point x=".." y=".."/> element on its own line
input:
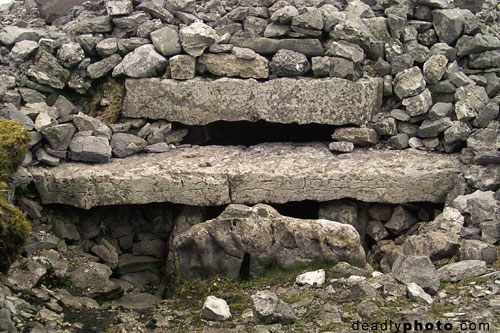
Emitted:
<point x="272" y="172"/>
<point x="330" y="101"/>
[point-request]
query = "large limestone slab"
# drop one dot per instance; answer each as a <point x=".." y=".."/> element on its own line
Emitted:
<point x="272" y="172"/>
<point x="198" y="102"/>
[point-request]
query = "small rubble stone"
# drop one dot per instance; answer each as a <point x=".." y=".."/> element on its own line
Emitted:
<point x="269" y="309"/>
<point x="341" y="147"/>
<point x="313" y="279"/>
<point x="102" y="67"/>
<point x="432" y="128"/>
<point x="376" y="230"/>
<point x="215" y="309"/>
<point x="90" y="149"/>
<point x="418" y="104"/>
<point x="182" y="67"/>
<point x="358" y="136"/>
<point x="70" y="54"/>
<point x="144" y="61"/>
<point x="196" y="37"/>
<point x="44" y="157"/>
<point x="48" y="71"/>
<point x="289" y="63"/>
<point x="119" y="7"/>
<point x="243" y="53"/>
<point x="126" y="144"/>
<point x="401" y="220"/>
<point x="166" y="41"/>
<point x="477" y="250"/>
<point x="461" y="270"/>
<point x="417" y="269"/>
<point x="409" y="82"/>
<point x="416" y="292"/>
<point x="449" y="24"/>
<point x="107" y="47"/>
<point x="434" y="68"/>
<point x="24" y="49"/>
<point x="59" y="136"/>
<point x="224" y="64"/>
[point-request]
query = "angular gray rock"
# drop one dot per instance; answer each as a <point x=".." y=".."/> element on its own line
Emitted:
<point x="23" y="49"/>
<point x="461" y="270"/>
<point x="157" y="10"/>
<point x="263" y="236"/>
<point x="269" y="309"/>
<point x="107" y="47"/>
<point x="47" y="71"/>
<point x="449" y="24"/>
<point x="166" y="41"/>
<point x="326" y="101"/>
<point x="215" y="309"/>
<point x="341" y="147"/>
<point x="419" y="104"/>
<point x="289" y="63"/>
<point x="70" y="54"/>
<point x="144" y="61"/>
<point x="86" y="123"/>
<point x="264" y="173"/>
<point x="401" y="220"/>
<point x="417" y="269"/>
<point x="196" y="37"/>
<point x="12" y="34"/>
<point x="434" y="68"/>
<point x="478" y="43"/>
<point x="477" y="250"/>
<point x="224" y="64"/>
<point x="376" y="230"/>
<point x="123" y="144"/>
<point x="92" y="280"/>
<point x="409" y="82"/>
<point x="416" y="292"/>
<point x="44" y="157"/>
<point x="432" y="128"/>
<point x="102" y="67"/>
<point x="119" y="7"/>
<point x="59" y="136"/>
<point x="90" y="149"/>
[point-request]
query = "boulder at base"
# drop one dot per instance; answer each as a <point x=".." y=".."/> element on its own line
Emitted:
<point x="246" y="240"/>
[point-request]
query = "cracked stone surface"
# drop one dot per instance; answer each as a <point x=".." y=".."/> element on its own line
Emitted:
<point x="271" y="172"/>
<point x="199" y="102"/>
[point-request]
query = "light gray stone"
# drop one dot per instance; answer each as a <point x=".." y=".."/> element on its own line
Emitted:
<point x="409" y="82"/>
<point x="418" y="104"/>
<point x="46" y="70"/>
<point x="215" y="309"/>
<point x="478" y="43"/>
<point x="182" y="67"/>
<point x="449" y="24"/>
<point x="417" y="269"/>
<point x="432" y="128"/>
<point x="12" y="34"/>
<point x="313" y="279"/>
<point x="87" y="123"/>
<point x="327" y="101"/>
<point x="309" y="46"/>
<point x="59" y="136"/>
<point x="92" y="279"/>
<point x="341" y="147"/>
<point x="70" y="54"/>
<point x="461" y="270"/>
<point x="349" y="51"/>
<point x="157" y="10"/>
<point x="119" y="7"/>
<point x="23" y="49"/>
<point x="477" y="250"/>
<point x="434" y="68"/>
<point x="243" y="53"/>
<point x="107" y="47"/>
<point x="268" y="172"/>
<point x="102" y="67"/>
<point x="416" y="292"/>
<point x="166" y="41"/>
<point x="90" y="149"/>
<point x="401" y="220"/>
<point x="45" y="158"/>
<point x="126" y="144"/>
<point x="229" y="65"/>
<point x="358" y="136"/>
<point x="196" y="37"/>
<point x="269" y="309"/>
<point x="144" y="61"/>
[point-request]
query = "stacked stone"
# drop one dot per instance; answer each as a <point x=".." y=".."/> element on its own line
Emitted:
<point x="438" y="66"/>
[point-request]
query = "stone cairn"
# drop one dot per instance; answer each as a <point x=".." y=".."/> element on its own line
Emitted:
<point x="125" y="203"/>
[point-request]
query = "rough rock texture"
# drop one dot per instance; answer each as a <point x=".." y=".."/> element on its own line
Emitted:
<point x="216" y="175"/>
<point x="216" y="309"/>
<point x="199" y="102"/>
<point x="261" y="234"/>
<point x="230" y="65"/>
<point x="269" y="309"/>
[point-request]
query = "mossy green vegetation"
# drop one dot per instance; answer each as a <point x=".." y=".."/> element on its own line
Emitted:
<point x="14" y="233"/>
<point x="109" y="93"/>
<point x="14" y="141"/>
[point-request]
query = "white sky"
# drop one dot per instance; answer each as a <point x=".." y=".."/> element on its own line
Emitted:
<point x="4" y="1"/>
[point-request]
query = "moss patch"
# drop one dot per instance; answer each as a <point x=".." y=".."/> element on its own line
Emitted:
<point x="14" y="233"/>
<point x="14" y="141"/>
<point x="109" y="93"/>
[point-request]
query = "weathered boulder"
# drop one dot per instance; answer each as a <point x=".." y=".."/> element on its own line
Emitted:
<point x="166" y="41"/>
<point x="230" y="65"/>
<point x="217" y="175"/>
<point x="90" y="149"/>
<point x="458" y="271"/>
<point x="199" y="102"/>
<point x="289" y="63"/>
<point x="12" y="34"/>
<point x="182" y="67"/>
<point x="418" y="269"/>
<point x="92" y="280"/>
<point x="262" y="236"/>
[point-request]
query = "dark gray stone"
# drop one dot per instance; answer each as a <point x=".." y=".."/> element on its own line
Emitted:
<point x="126" y="144"/>
<point x="289" y="63"/>
<point x="449" y="24"/>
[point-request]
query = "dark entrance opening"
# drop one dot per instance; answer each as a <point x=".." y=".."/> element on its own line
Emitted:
<point x="245" y="268"/>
